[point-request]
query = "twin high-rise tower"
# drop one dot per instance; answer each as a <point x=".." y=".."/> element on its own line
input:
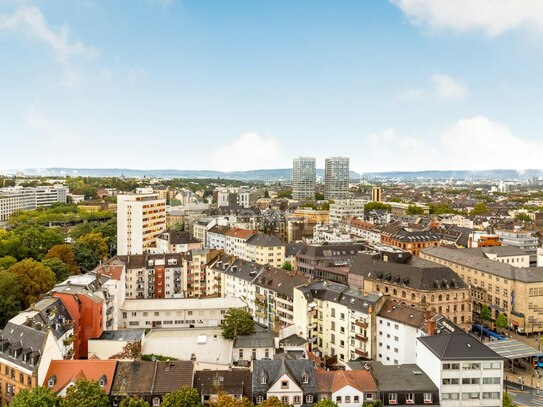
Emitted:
<point x="336" y="178"/>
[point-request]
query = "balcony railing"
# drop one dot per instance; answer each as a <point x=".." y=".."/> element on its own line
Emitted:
<point x="361" y="324"/>
<point x="361" y="338"/>
<point x="361" y="353"/>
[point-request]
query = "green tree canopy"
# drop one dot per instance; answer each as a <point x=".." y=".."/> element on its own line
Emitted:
<point x="65" y="253"/>
<point x="134" y="402"/>
<point x="89" y="250"/>
<point x="414" y="210"/>
<point x="441" y="209"/>
<point x="9" y="292"/>
<point x="285" y="193"/>
<point x="287" y="265"/>
<point x="186" y="396"/>
<point x="237" y="322"/>
<point x="370" y="206"/>
<point x="501" y="321"/>
<point x="479" y="209"/>
<point x="85" y="393"/>
<point x="522" y="217"/>
<point x="36" y="397"/>
<point x="58" y="267"/>
<point x="226" y="400"/>
<point x="34" y="279"/>
<point x="485" y="313"/>
<point x="6" y="262"/>
<point x="325" y="403"/>
<point x="507" y="401"/>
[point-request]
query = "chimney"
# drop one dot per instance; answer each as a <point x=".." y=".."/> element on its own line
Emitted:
<point x="431" y="327"/>
<point x="427" y="315"/>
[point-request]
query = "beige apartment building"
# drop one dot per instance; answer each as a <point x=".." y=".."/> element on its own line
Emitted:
<point x="517" y="292"/>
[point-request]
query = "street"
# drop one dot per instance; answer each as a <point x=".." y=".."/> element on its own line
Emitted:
<point x="526" y="397"/>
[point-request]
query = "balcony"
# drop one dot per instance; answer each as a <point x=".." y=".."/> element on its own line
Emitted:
<point x="361" y="338"/>
<point x="361" y="353"/>
<point x="361" y="324"/>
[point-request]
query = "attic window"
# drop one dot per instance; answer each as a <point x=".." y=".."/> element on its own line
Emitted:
<point x="103" y="381"/>
<point x="51" y="382"/>
<point x="305" y="379"/>
<point x="284" y="384"/>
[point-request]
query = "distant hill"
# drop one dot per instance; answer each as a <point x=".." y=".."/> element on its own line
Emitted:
<point x="278" y="174"/>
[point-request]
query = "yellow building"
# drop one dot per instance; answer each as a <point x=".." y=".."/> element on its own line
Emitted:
<point x="265" y="249"/>
<point x="312" y="215"/>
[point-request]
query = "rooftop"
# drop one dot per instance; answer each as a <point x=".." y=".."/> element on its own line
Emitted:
<point x="401" y="378"/>
<point x="459" y="346"/>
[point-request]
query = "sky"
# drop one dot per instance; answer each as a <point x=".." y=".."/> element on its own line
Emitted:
<point x="399" y="85"/>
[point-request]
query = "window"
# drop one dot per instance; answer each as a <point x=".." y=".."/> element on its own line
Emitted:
<point x="241" y="353"/>
<point x="450" y="396"/>
<point x="471" y="366"/>
<point x="369" y="396"/>
<point x="393" y="398"/>
<point x="284" y="399"/>
<point x="338" y="399"/>
<point x="451" y="366"/>
<point x="305" y="379"/>
<point x="410" y="398"/>
<point x="451" y="381"/>
<point x="259" y="399"/>
<point x="253" y="354"/>
<point x="472" y="380"/>
<point x="284" y="384"/>
<point x="156" y="402"/>
<point x="427" y="398"/>
<point x="492" y="365"/>
<point x="491" y="380"/>
<point x="267" y="353"/>
<point x="491" y="395"/>
<point x="356" y="399"/>
<point x="470" y="396"/>
<point x="297" y="400"/>
<point x="347" y="399"/>
<point x="309" y="398"/>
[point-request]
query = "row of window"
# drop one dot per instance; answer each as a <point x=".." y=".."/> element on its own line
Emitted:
<point x="287" y="399"/>
<point x="471" y="366"/>
<point x="409" y="398"/>
<point x="472" y="380"/>
<point x="470" y="396"/>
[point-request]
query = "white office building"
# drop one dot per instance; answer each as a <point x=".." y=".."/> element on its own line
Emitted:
<point x="304" y="176"/>
<point x="353" y="208"/>
<point x="15" y="199"/>
<point x="336" y="178"/>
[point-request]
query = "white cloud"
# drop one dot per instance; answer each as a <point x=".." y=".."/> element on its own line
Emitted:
<point x="446" y="87"/>
<point x="479" y="143"/>
<point x="31" y="22"/>
<point x="491" y="16"/>
<point x="251" y="151"/>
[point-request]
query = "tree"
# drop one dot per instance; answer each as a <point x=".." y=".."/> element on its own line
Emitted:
<point x="375" y="403"/>
<point x="134" y="402"/>
<point x="287" y="265"/>
<point x="370" y="206"/>
<point x="9" y="303"/>
<point x="89" y="250"/>
<point x="319" y="196"/>
<point x="485" y="313"/>
<point x="186" y="396"/>
<point x="523" y="217"/>
<point x="414" y="210"/>
<point x="501" y="321"/>
<point x="507" y="401"/>
<point x="273" y="402"/>
<point x="36" y="397"/>
<point x="285" y="193"/>
<point x="266" y="194"/>
<point x="65" y="253"/>
<point x="37" y="240"/>
<point x="479" y="209"/>
<point x="58" y="267"/>
<point x="325" y="403"/>
<point x="237" y="322"/>
<point x="34" y="280"/>
<point x="6" y="262"/>
<point x="85" y="393"/>
<point x="226" y="400"/>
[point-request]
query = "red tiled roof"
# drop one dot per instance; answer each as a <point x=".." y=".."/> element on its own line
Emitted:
<point x="240" y="233"/>
<point x="67" y="371"/>
<point x="113" y="272"/>
<point x="332" y="381"/>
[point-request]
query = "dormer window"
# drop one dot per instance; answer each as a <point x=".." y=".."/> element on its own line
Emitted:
<point x="305" y="379"/>
<point x="263" y="378"/>
<point x="51" y="382"/>
<point x="103" y="380"/>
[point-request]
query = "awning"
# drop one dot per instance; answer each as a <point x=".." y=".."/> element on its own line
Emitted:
<point x="513" y="349"/>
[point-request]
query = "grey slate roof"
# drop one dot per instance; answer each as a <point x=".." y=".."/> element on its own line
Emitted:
<point x="458" y="346"/>
<point x="281" y="281"/>
<point x="400" y="378"/>
<point x="257" y="340"/>
<point x="418" y="274"/>
<point x="265" y="240"/>
<point x="274" y="369"/>
<point x="233" y="382"/>
<point x="330" y="250"/>
<point x="466" y="258"/>
<point x="123" y="335"/>
<point x="28" y="343"/>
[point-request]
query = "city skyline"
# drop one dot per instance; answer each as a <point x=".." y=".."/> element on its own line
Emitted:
<point x="407" y="85"/>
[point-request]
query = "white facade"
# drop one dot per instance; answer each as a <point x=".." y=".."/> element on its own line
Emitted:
<point x="216" y="240"/>
<point x="140" y="219"/>
<point x="396" y="342"/>
<point x="176" y="313"/>
<point x="14" y="199"/>
<point x="466" y="383"/>
<point x="349" y="207"/>
<point x="303" y="178"/>
<point x="336" y="178"/>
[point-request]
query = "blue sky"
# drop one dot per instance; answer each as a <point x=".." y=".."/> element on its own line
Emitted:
<point x="236" y="85"/>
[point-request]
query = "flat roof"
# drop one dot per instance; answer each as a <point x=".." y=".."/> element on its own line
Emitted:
<point x="513" y="349"/>
<point x="177" y="304"/>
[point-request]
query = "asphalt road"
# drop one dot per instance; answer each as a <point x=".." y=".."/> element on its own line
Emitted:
<point x="526" y="397"/>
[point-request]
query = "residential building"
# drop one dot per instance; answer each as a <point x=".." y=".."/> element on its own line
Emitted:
<point x="304" y="175"/>
<point x="258" y="346"/>
<point x="417" y="283"/>
<point x="524" y="240"/>
<point x="291" y="381"/>
<point x="63" y="374"/>
<point x="237" y="383"/>
<point x="236" y="241"/>
<point x="216" y="237"/>
<point x="352" y="208"/>
<point x="399" y="326"/>
<point x="150" y="381"/>
<point x="336" y="178"/>
<point x="404" y="385"/>
<point x="368" y="232"/>
<point x="113" y="344"/>
<point x="195" y="264"/>
<point x="516" y="292"/>
<point x="336" y="320"/>
<point x="176" y="313"/>
<point x="467" y="372"/>
<point x="347" y="387"/>
<point x="177" y="242"/>
<point x="140" y="219"/>
<point x="312" y="256"/>
<point x="28" y="344"/>
<point x="13" y="199"/>
<point x="265" y="249"/>
<point x="411" y="240"/>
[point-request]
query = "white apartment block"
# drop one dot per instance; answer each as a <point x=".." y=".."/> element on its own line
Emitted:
<point x="336" y="178"/>
<point x="353" y="208"/>
<point x="177" y="313"/>
<point x="236" y="242"/>
<point x="337" y="320"/>
<point x="303" y="178"/>
<point x="365" y="231"/>
<point x="467" y="372"/>
<point x="14" y="199"/>
<point x="140" y="219"/>
<point x="525" y="240"/>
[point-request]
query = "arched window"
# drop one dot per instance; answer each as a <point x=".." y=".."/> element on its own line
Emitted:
<point x="377" y="287"/>
<point x="413" y="297"/>
<point x="404" y="294"/>
<point x="440" y="298"/>
<point x="448" y="297"/>
<point x="395" y="292"/>
<point x="423" y="299"/>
